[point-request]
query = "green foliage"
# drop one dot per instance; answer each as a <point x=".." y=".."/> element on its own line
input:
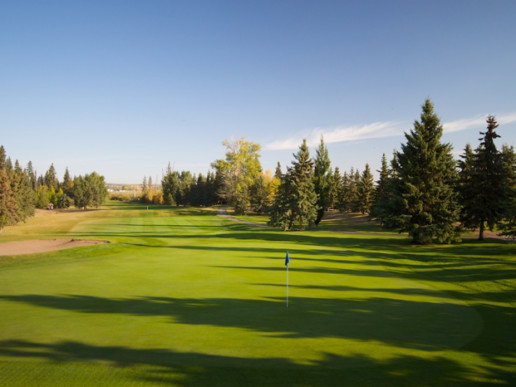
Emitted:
<point x="485" y="182"/>
<point x="238" y="172"/>
<point x="349" y="200"/>
<point x="260" y="195"/>
<point x="322" y="185"/>
<point x="366" y="191"/>
<point x="8" y="214"/>
<point x="52" y="196"/>
<point x="185" y="298"/>
<point x="16" y="196"/>
<point x="67" y="184"/>
<point x="50" y="179"/>
<point x="23" y="193"/>
<point x="295" y="206"/>
<point x="335" y="182"/>
<point x="508" y="224"/>
<point x="426" y="173"/>
<point x="42" y="197"/>
<point x="63" y="200"/>
<point x="89" y="191"/>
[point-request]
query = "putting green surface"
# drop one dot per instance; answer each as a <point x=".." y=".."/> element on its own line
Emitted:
<point x="185" y="297"/>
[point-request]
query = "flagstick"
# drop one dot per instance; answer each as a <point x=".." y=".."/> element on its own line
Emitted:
<point x="287" y="286"/>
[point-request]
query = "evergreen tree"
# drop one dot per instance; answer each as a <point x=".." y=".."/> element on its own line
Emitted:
<point x="350" y="199"/>
<point x="321" y="180"/>
<point x="278" y="173"/>
<point x="63" y="200"/>
<point x="81" y="197"/>
<point x="466" y="189"/>
<point x="260" y="194"/>
<point x="50" y="178"/>
<point x="295" y="207"/>
<point x="485" y="185"/>
<point x="67" y="184"/>
<point x="8" y="214"/>
<point x="89" y="191"/>
<point x="335" y="188"/>
<point x="366" y="191"/>
<point x="381" y="193"/>
<point x="97" y="187"/>
<point x="427" y="173"/>
<point x="508" y="227"/>
<point x="3" y="157"/>
<point x="23" y="193"/>
<point x="32" y="176"/>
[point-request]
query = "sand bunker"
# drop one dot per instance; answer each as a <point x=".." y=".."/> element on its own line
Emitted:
<point x="41" y="246"/>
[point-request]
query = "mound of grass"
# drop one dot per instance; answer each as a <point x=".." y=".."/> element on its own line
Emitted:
<point x="185" y="297"/>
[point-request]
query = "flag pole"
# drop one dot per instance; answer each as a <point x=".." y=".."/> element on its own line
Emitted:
<point x="287" y="286"/>
<point x="287" y="261"/>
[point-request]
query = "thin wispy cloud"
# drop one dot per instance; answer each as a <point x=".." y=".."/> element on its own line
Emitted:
<point x="377" y="130"/>
<point x="477" y="122"/>
<point x="339" y="134"/>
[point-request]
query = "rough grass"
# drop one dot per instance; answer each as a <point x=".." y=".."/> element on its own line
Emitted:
<point x="184" y="297"/>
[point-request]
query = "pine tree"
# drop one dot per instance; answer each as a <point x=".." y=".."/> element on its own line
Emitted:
<point x="3" y="157"/>
<point x="295" y="207"/>
<point x="23" y="193"/>
<point x="32" y="176"/>
<point x="278" y="173"/>
<point x="335" y="188"/>
<point x="321" y="180"/>
<point x="8" y="214"/>
<point x="381" y="193"/>
<point x="485" y="184"/>
<point x="50" y="178"/>
<point x="427" y="173"/>
<point x="508" y="226"/>
<point x="466" y="189"/>
<point x="366" y="191"/>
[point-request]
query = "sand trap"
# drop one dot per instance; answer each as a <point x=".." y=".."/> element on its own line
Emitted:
<point x="41" y="246"/>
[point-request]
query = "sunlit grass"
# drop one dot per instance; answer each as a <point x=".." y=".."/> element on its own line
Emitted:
<point x="185" y="297"/>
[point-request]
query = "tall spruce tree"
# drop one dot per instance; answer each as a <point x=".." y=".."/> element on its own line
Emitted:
<point x="321" y="180"/>
<point x="366" y="191"/>
<point x="466" y="189"/>
<point x="51" y="178"/>
<point x="23" y="193"/>
<point x="8" y="214"/>
<point x="335" y="188"/>
<point x="295" y="206"/>
<point x="508" y="226"/>
<point x="484" y="183"/>
<point x="381" y="193"/>
<point x="427" y="174"/>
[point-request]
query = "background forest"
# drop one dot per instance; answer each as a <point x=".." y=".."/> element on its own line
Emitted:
<point x="422" y="190"/>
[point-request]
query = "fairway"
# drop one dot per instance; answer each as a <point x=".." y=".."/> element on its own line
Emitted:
<point x="182" y="296"/>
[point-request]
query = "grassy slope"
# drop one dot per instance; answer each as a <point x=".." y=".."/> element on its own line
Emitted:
<point x="186" y="297"/>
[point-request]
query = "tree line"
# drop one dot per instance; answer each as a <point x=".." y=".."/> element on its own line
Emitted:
<point x="22" y="190"/>
<point x="422" y="191"/>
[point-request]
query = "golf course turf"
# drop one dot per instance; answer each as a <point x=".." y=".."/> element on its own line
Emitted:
<point x="182" y="296"/>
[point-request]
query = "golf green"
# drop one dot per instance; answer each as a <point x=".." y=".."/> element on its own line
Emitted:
<point x="182" y="296"/>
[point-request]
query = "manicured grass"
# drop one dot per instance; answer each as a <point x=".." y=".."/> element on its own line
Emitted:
<point x="184" y="297"/>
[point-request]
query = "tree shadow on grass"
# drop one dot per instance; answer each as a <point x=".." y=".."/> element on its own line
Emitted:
<point x="420" y="325"/>
<point x="196" y="369"/>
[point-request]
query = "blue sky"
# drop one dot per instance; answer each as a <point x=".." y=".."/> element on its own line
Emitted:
<point x="125" y="87"/>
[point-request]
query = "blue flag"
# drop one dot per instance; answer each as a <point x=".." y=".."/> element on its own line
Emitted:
<point x="287" y="260"/>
